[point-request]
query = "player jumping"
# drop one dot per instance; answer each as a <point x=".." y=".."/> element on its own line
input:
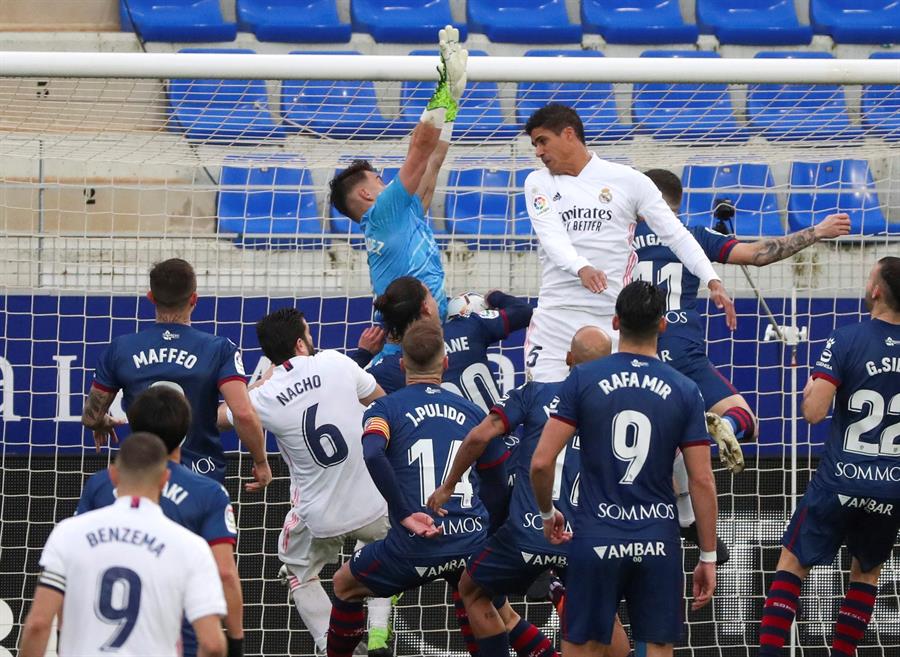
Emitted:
<point x="199" y="365"/>
<point x="682" y="345"/>
<point x="195" y="502"/>
<point x="632" y="412"/>
<point x="518" y="553"/>
<point x="584" y="211"/>
<point x="467" y="337"/>
<point x="399" y="240"/>
<point x="313" y="402"/>
<point x="854" y="496"/>
<point x="410" y="437"/>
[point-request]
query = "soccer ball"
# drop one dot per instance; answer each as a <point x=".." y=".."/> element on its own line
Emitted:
<point x="466" y="304"/>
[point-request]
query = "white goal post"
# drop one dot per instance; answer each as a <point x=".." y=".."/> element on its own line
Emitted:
<point x="110" y="162"/>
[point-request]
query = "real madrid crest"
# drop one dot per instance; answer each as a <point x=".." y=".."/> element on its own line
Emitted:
<point x="605" y="195"/>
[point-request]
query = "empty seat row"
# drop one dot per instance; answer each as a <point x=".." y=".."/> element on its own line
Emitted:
<point x="750" y="22"/>
<point x="234" y="110"/>
<point x="486" y="209"/>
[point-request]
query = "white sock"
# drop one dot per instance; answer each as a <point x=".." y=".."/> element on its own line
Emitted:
<point x="379" y="612"/>
<point x="314" y="607"/>
<point x="686" y="515"/>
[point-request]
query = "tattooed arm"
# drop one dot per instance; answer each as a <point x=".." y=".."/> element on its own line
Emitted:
<point x="96" y="417"/>
<point x="766" y="251"/>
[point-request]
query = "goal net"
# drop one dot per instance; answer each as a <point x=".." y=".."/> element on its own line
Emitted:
<point x="109" y="165"/>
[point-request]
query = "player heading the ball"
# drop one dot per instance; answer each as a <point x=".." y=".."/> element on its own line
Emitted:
<point x="584" y="211"/>
<point x="632" y="413"/>
<point x="122" y="577"/>
<point x="399" y="240"/>
<point x="197" y="364"/>
<point x="854" y="496"/>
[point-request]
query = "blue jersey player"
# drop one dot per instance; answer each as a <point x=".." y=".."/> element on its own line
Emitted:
<point x="632" y="413"/>
<point x="409" y="440"/>
<point x="193" y="501"/>
<point x="467" y="336"/>
<point x="518" y="553"/>
<point x="854" y="496"/>
<point x="683" y="346"/>
<point x="399" y="240"/>
<point x="199" y="365"/>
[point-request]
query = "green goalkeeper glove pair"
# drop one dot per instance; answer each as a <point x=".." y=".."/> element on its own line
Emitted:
<point x="452" y="74"/>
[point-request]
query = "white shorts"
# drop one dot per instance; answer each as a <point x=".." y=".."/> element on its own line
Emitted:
<point x="306" y="555"/>
<point x="550" y="335"/>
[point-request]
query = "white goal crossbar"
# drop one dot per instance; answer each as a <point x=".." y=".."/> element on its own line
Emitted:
<point x="480" y="69"/>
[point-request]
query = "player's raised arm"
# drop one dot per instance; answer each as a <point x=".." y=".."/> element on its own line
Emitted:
<point x="431" y="138"/>
<point x="766" y="251"/>
<point x="516" y="310"/>
<point x="653" y="209"/>
<point x="472" y="448"/>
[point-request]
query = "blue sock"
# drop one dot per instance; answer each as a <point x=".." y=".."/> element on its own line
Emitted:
<point x="494" y="646"/>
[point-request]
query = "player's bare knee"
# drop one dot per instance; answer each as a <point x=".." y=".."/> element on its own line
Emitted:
<point x="346" y="586"/>
<point x="469" y="589"/>
<point x="509" y="616"/>
<point x="857" y="574"/>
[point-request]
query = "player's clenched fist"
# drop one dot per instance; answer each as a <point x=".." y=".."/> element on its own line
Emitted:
<point x="834" y="225"/>
<point x="592" y="279"/>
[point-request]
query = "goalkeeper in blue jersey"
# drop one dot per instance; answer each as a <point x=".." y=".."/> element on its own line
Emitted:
<point x="399" y="241"/>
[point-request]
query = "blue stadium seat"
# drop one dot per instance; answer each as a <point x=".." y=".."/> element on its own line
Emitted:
<point x="221" y="110"/>
<point x="694" y="112"/>
<point x="340" y="109"/>
<point x="857" y="21"/>
<point x="637" y="21"/>
<point x="752" y="22"/>
<point x="881" y="105"/>
<point x="822" y="188"/>
<point x="477" y="213"/>
<point x="480" y="115"/>
<point x="522" y="228"/>
<point x="749" y="186"/>
<point x="522" y="21"/>
<point x="788" y="112"/>
<point x="268" y="201"/>
<point x="594" y="102"/>
<point x="403" y="21"/>
<point x="176" y="20"/>
<point x="292" y="21"/>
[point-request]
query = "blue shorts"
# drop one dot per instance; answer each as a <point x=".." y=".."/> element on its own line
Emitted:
<point x="690" y="359"/>
<point x="386" y="572"/>
<point x="646" y="573"/>
<point x="823" y="522"/>
<point x="505" y="567"/>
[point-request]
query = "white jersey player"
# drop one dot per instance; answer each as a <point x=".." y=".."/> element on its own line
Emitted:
<point x="313" y="403"/>
<point x="584" y="211"/>
<point x="121" y="577"/>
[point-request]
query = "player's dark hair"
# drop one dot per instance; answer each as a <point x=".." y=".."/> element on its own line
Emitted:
<point x="162" y="411"/>
<point x="556" y="118"/>
<point x="667" y="183"/>
<point x="423" y="345"/>
<point x="278" y="333"/>
<point x="639" y="307"/>
<point x="889" y="272"/>
<point x="172" y="282"/>
<point x="141" y="457"/>
<point x="343" y="183"/>
<point x="401" y="305"/>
